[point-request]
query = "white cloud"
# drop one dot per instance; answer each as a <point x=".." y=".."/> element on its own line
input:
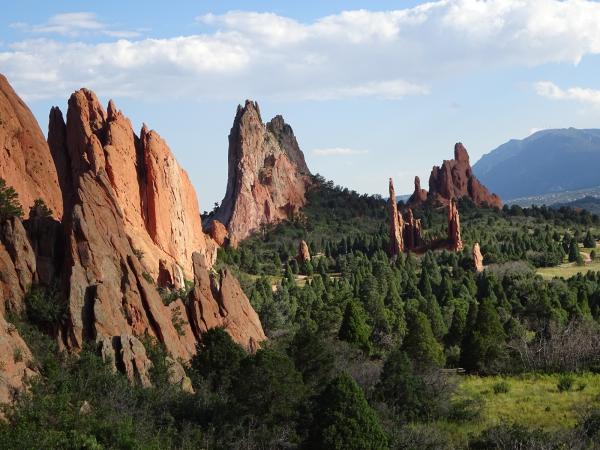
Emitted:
<point x="74" y="24"/>
<point x="338" y="151"/>
<point x="552" y="91"/>
<point x="384" y="54"/>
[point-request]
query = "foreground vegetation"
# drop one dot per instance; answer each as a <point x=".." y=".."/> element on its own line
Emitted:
<point x="418" y="352"/>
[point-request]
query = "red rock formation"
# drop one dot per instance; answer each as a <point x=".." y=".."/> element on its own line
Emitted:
<point x="218" y="232"/>
<point x="130" y="212"/>
<point x="15" y="360"/>
<point x="412" y="231"/>
<point x="303" y="252"/>
<point x="267" y="178"/>
<point x="18" y="271"/>
<point x="419" y="195"/>
<point x="454" y="239"/>
<point x="454" y="180"/>
<point x="396" y="223"/>
<point x="157" y="201"/>
<point x="220" y="302"/>
<point x="25" y="162"/>
<point x="477" y="258"/>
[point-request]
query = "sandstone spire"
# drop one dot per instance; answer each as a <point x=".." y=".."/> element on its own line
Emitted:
<point x="454" y="239"/>
<point x="419" y="195"/>
<point x="412" y="231"/>
<point x="303" y="252"/>
<point x="477" y="258"/>
<point x="268" y="177"/>
<point x="396" y="223"/>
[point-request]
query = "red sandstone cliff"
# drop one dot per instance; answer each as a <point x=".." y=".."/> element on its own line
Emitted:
<point x="130" y="214"/>
<point x="268" y="177"/>
<point x="454" y="180"/>
<point x="25" y="162"/>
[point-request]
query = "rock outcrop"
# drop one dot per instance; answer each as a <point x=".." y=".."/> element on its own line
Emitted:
<point x="268" y="177"/>
<point x="412" y="231"/>
<point x="420" y="194"/>
<point x="16" y="362"/>
<point x="158" y="204"/>
<point x="25" y="162"/>
<point x="218" y="232"/>
<point x="130" y="219"/>
<point x="303" y="252"/>
<point x="454" y="240"/>
<point x="396" y="223"/>
<point x="454" y="180"/>
<point x="218" y="301"/>
<point x="477" y="258"/>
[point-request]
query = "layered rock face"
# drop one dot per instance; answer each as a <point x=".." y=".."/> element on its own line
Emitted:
<point x="29" y="253"/>
<point x="25" y="162"/>
<point x="303" y="252"/>
<point x="477" y="258"/>
<point x="268" y="177"/>
<point x="157" y="201"/>
<point x="218" y="301"/>
<point x="396" y="223"/>
<point x="454" y="240"/>
<point x="454" y="180"/>
<point x="132" y="216"/>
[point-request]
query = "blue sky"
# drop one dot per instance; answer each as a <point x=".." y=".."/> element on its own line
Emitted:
<point x="372" y="89"/>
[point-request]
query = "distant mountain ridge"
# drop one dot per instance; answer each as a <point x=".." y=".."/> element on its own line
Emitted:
<point x="553" y="160"/>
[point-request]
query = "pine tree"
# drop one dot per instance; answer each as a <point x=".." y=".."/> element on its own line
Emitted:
<point x="401" y="388"/>
<point x="589" y="241"/>
<point x="343" y="420"/>
<point x="354" y="328"/>
<point x="9" y="202"/>
<point x="420" y="343"/>
<point x="483" y="346"/>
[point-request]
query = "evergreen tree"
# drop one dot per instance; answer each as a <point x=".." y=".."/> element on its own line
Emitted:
<point x="313" y="360"/>
<point x="574" y="255"/>
<point x="589" y="241"/>
<point x="354" y="328"/>
<point x="343" y="420"/>
<point x="420" y="343"/>
<point x="483" y="347"/>
<point x="401" y="388"/>
<point x="217" y="358"/>
<point x="9" y="202"/>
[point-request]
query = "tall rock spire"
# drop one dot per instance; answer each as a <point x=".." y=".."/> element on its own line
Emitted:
<point x="454" y="239"/>
<point x="396" y="223"/>
<point x="268" y="177"/>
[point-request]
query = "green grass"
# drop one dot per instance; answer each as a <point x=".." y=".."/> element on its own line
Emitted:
<point x="567" y="270"/>
<point x="532" y="400"/>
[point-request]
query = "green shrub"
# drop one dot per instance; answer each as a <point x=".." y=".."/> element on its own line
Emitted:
<point x="9" y="202"/>
<point x="40" y="208"/>
<point x="565" y="382"/>
<point x="502" y="387"/>
<point x="45" y="307"/>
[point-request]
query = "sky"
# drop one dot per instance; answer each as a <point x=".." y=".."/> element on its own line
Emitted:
<point x="372" y="89"/>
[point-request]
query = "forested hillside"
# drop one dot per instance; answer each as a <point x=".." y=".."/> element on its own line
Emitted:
<point x="364" y="351"/>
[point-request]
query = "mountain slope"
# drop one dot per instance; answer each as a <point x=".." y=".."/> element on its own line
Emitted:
<point x="547" y="161"/>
